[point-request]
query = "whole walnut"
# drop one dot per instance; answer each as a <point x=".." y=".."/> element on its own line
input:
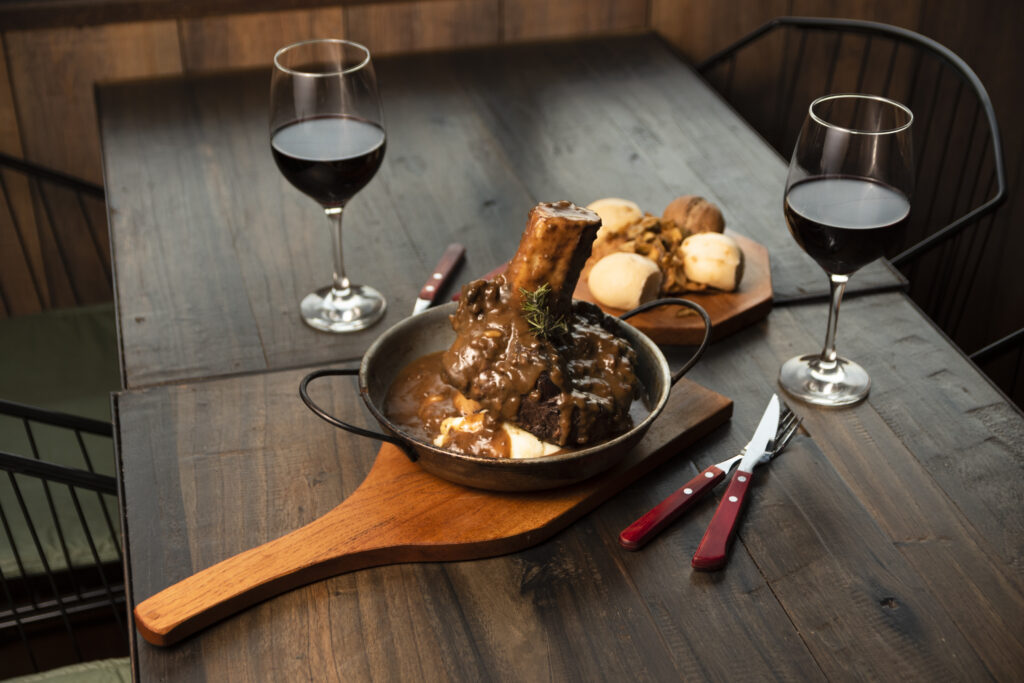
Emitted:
<point x="694" y="214"/>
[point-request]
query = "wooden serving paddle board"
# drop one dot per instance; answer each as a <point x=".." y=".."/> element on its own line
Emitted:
<point x="729" y="311"/>
<point x="402" y="514"/>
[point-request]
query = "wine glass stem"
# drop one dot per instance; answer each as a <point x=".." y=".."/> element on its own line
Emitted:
<point x="837" y="284"/>
<point x="341" y="282"/>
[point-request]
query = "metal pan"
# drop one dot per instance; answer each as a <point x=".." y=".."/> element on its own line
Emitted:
<point x="431" y="331"/>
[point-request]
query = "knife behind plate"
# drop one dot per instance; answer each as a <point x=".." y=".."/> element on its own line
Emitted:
<point x="445" y="267"/>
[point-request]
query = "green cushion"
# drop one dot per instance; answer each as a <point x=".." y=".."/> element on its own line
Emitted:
<point x="117" y="670"/>
<point x="63" y="360"/>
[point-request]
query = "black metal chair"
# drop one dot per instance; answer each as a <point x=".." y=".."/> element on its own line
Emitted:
<point x="55" y="226"/>
<point x="771" y="75"/>
<point x="62" y="596"/>
<point x="1003" y="360"/>
<point x="61" y="568"/>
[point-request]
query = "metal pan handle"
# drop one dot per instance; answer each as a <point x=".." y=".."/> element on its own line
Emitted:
<point x="678" y="374"/>
<point x="327" y="417"/>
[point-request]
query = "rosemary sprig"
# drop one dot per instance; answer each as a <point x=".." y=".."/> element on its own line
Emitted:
<point x="537" y="312"/>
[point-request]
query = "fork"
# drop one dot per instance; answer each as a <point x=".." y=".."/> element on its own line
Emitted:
<point x="637" y="534"/>
<point x="713" y="550"/>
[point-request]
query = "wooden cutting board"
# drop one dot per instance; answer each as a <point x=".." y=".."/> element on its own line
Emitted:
<point x="729" y="311"/>
<point x="402" y="514"/>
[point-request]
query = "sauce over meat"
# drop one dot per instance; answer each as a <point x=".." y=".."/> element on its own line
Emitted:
<point x="575" y="389"/>
<point x="525" y="354"/>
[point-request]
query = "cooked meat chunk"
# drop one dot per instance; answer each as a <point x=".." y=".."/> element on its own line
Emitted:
<point x="552" y="251"/>
<point x="570" y="385"/>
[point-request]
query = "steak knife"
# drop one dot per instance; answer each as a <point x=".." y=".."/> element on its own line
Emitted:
<point x="450" y="260"/>
<point x="714" y="547"/>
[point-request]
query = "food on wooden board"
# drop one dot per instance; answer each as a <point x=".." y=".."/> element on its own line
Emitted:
<point x="623" y="280"/>
<point x="693" y="214"/>
<point x="664" y="241"/>
<point x="616" y="214"/>
<point x="531" y="371"/>
<point x="713" y="259"/>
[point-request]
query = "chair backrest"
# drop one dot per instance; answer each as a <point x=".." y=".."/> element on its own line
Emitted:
<point x="60" y="543"/>
<point x="773" y="74"/>
<point x="54" y="248"/>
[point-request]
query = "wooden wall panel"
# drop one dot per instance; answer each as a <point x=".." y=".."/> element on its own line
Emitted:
<point x="698" y="28"/>
<point x="20" y="252"/>
<point x="428" y="24"/>
<point x="53" y="72"/>
<point x="546" y="19"/>
<point x="18" y="292"/>
<point x="252" y="39"/>
<point x="10" y="138"/>
<point x="987" y="36"/>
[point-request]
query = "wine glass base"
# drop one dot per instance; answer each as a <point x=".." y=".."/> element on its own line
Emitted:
<point x="809" y="379"/>
<point x="349" y="310"/>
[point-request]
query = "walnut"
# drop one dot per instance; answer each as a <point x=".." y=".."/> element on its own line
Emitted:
<point x="694" y="214"/>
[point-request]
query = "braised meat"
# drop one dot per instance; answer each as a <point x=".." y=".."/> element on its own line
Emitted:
<point x="529" y="354"/>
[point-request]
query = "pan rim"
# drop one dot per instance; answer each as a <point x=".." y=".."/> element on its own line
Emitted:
<point x="633" y="334"/>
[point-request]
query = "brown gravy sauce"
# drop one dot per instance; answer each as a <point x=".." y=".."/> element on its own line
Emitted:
<point x="575" y="390"/>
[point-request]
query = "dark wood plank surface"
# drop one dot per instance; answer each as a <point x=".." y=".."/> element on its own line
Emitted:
<point x="876" y="547"/>
<point x="214" y="249"/>
<point x="887" y="543"/>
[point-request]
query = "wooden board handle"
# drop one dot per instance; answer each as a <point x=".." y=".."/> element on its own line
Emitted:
<point x="227" y="587"/>
<point x="400" y="513"/>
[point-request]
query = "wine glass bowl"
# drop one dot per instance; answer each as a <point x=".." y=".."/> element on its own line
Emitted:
<point x="847" y="199"/>
<point x="327" y="138"/>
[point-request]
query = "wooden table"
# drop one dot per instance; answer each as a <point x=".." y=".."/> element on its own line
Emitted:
<point x="885" y="544"/>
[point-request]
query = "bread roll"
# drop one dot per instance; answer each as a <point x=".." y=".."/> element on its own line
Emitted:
<point x="623" y="280"/>
<point x="616" y="215"/>
<point x="713" y="259"/>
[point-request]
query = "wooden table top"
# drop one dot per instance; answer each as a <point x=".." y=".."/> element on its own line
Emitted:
<point x="214" y="249"/>
<point x="886" y="543"/>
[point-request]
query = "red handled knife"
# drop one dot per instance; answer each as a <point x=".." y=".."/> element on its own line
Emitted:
<point x="714" y="547"/>
<point x="450" y="260"/>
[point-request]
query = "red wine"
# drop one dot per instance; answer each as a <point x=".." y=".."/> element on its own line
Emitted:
<point x="845" y="223"/>
<point x="329" y="158"/>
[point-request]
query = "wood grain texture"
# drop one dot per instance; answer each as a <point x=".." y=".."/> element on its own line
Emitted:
<point x="241" y="40"/>
<point x="395" y="27"/>
<point x="20" y="14"/>
<point x="473" y="144"/>
<point x="886" y="452"/>
<point x="729" y="311"/>
<point x="400" y="514"/>
<point x="837" y="572"/>
<point x="698" y="28"/>
<point x="10" y="133"/>
<point x="561" y="606"/>
<point x="53" y="72"/>
<point x="23" y="290"/>
<point x="550" y="19"/>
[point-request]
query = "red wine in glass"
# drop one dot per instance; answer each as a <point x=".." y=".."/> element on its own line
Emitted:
<point x="847" y="197"/>
<point x="329" y="158"/>
<point x="327" y="139"/>
<point x="845" y="223"/>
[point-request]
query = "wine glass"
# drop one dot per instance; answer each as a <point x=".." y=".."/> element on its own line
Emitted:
<point x="847" y="197"/>
<point x="327" y="137"/>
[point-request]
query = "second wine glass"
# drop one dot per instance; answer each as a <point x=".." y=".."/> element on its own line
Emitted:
<point x="847" y="198"/>
<point x="327" y="137"/>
